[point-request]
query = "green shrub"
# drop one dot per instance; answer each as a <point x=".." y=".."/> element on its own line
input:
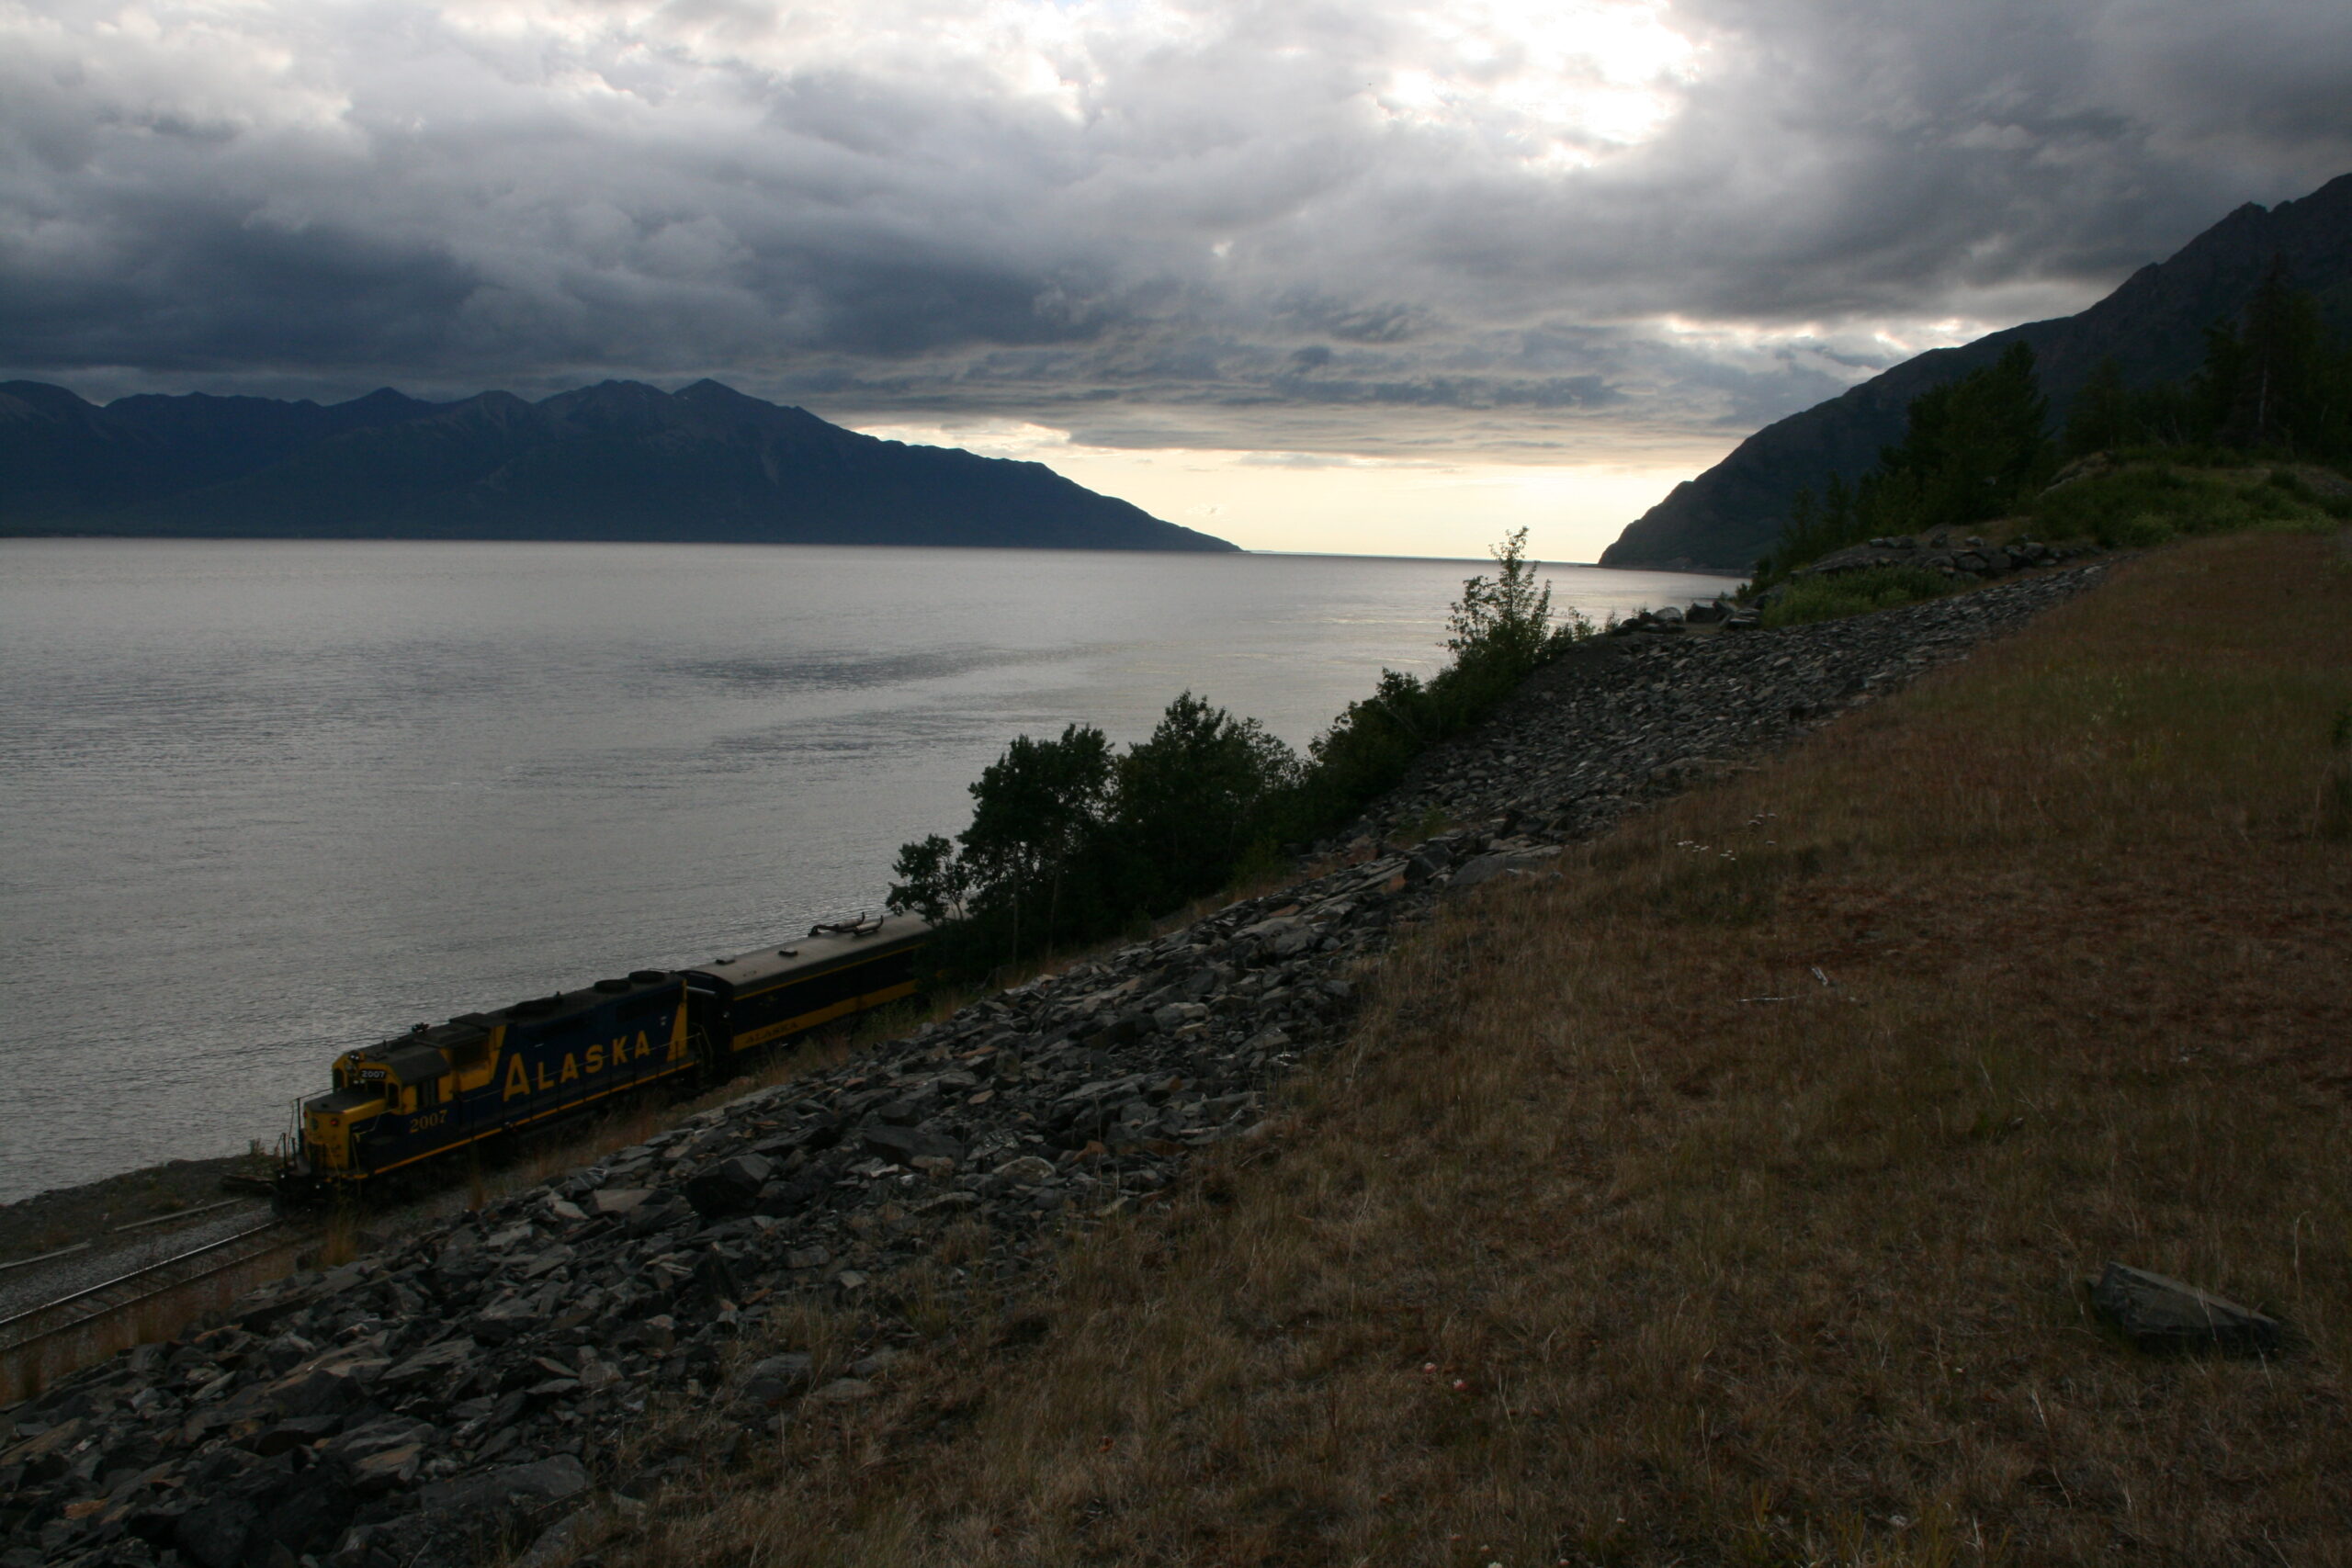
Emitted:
<point x="1854" y="594"/>
<point x="1503" y="630"/>
<point x="1070" y="841"/>
<point x="2291" y="484"/>
<point x="2138" y="531"/>
<point x="2141" y="505"/>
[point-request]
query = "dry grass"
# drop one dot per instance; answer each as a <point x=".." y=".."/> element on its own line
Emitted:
<point x="1578" y="1253"/>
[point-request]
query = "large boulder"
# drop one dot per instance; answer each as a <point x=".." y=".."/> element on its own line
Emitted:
<point x="2160" y="1313"/>
<point x="904" y="1146"/>
<point x="729" y="1187"/>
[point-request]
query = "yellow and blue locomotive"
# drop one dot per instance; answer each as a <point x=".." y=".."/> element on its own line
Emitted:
<point x="423" y="1095"/>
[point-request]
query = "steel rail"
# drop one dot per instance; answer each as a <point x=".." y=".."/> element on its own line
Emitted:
<point x="45" y="1257"/>
<point x="180" y="1215"/>
<point x="160" y="1266"/>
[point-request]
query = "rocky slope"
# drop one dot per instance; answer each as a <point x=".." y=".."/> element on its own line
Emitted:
<point x="485" y="1378"/>
<point x="2152" y="326"/>
<point x="1624" y="719"/>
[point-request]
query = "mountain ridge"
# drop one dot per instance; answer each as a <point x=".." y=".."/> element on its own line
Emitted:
<point x="2151" y="324"/>
<point x="616" y="461"/>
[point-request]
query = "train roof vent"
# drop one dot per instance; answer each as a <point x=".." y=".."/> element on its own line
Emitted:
<point x="613" y="985"/>
<point x="648" y="977"/>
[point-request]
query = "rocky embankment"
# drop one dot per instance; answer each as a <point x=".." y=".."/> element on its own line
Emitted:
<point x="1622" y="718"/>
<point x="1952" y="554"/>
<point x="490" y="1377"/>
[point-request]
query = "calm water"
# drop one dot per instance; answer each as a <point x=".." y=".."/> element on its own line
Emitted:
<point x="263" y="802"/>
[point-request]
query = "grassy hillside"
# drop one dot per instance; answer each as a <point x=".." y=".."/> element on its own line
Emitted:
<point x="1730" y="1198"/>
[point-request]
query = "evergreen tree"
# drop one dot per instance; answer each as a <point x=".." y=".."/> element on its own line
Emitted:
<point x="1978" y="446"/>
<point x="2103" y="417"/>
<point x="2212" y="391"/>
<point x="2277" y="374"/>
<point x="2167" y="414"/>
<point x="1971" y="450"/>
<point x="1842" y="519"/>
<point x="2273" y="398"/>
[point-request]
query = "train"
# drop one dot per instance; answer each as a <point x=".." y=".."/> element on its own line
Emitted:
<point x="403" y="1108"/>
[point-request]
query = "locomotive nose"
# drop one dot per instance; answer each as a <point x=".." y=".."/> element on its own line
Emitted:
<point x="329" y="1124"/>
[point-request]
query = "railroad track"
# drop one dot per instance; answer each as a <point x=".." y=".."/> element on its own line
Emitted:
<point x="94" y="1303"/>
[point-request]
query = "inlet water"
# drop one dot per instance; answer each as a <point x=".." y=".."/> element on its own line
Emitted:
<point x="262" y="802"/>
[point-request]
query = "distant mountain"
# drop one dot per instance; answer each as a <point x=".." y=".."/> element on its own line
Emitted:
<point x="2153" y="327"/>
<point x="618" y="461"/>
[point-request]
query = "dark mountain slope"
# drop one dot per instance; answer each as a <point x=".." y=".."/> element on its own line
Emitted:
<point x="61" y="457"/>
<point x="619" y="461"/>
<point x="2153" y="325"/>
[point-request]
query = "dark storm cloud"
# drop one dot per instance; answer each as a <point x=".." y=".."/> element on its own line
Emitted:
<point x="221" y="295"/>
<point x="1340" y="229"/>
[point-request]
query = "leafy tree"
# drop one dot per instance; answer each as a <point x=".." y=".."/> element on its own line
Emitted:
<point x="932" y="880"/>
<point x="1067" y="839"/>
<point x="1190" y="798"/>
<point x="1366" y="749"/>
<point x="1501" y="631"/>
<point x="1505" y="620"/>
<point x="1095" y="838"/>
<point x="1032" y="811"/>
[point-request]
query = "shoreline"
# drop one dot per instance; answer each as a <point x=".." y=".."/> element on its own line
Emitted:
<point x="730" y="741"/>
<point x="940" y="1167"/>
<point x="154" y="1193"/>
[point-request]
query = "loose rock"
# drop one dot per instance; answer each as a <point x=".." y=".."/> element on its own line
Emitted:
<point x="2162" y="1314"/>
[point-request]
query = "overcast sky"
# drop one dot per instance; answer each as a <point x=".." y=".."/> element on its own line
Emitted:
<point x="1373" y="275"/>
